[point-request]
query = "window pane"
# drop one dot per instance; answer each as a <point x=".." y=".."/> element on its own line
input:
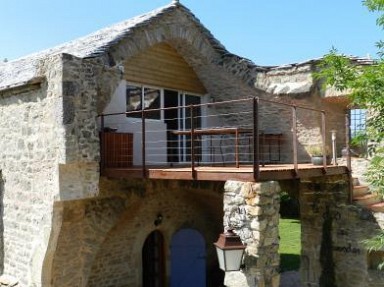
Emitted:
<point x="133" y="100"/>
<point x="358" y="118"/>
<point x="152" y="101"/>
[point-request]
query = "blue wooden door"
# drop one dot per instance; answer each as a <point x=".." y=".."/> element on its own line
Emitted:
<point x="188" y="259"/>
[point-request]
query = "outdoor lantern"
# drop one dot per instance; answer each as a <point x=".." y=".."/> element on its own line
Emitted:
<point x="230" y="251"/>
<point x="334" y="153"/>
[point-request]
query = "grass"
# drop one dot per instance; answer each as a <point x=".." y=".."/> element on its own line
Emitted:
<point x="290" y="244"/>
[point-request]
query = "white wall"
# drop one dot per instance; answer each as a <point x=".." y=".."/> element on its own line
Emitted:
<point x="156" y="137"/>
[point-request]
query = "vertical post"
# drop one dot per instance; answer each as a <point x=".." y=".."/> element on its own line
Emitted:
<point x="102" y="143"/>
<point x="294" y="138"/>
<point x="348" y="147"/>
<point x="192" y="142"/>
<point x="237" y="147"/>
<point x="262" y="149"/>
<point x="347" y="140"/>
<point x="143" y="142"/>
<point x="256" y="140"/>
<point x="323" y="137"/>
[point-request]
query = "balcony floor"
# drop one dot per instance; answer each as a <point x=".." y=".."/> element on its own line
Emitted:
<point x="223" y="173"/>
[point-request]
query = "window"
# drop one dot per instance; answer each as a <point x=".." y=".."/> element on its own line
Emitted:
<point x="358" y="119"/>
<point x="139" y="98"/>
<point x="357" y="131"/>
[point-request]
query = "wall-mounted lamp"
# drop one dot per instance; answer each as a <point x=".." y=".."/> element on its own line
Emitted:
<point x="230" y="251"/>
<point x="158" y="220"/>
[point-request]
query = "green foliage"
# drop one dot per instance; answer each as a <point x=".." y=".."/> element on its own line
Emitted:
<point x="378" y="7"/>
<point x="359" y="138"/>
<point x="375" y="172"/>
<point x="366" y="87"/>
<point x="284" y="196"/>
<point x="318" y="150"/>
<point x="337" y="70"/>
<point x="375" y="244"/>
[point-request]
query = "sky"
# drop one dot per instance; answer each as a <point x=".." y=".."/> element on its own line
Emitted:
<point x="268" y="32"/>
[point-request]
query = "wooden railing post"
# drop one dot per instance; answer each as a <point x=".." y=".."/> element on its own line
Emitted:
<point x="256" y="140"/>
<point x="348" y="147"/>
<point x="102" y="143"/>
<point x="143" y="142"/>
<point x="192" y="142"/>
<point x="294" y="139"/>
<point x="324" y="139"/>
<point x="347" y="140"/>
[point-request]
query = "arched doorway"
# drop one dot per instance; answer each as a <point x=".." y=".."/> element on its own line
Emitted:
<point x="188" y="259"/>
<point x="153" y="260"/>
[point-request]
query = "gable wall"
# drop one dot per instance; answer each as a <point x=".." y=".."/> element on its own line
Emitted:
<point x="162" y="66"/>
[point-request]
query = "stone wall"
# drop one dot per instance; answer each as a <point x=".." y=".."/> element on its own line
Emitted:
<point x="78" y="171"/>
<point x="49" y="152"/>
<point x="252" y="211"/>
<point x="101" y="239"/>
<point x="31" y="133"/>
<point x="332" y="235"/>
<point x="294" y="84"/>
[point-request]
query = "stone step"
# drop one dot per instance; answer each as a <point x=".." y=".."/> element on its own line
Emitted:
<point x="355" y="181"/>
<point x="360" y="190"/>
<point x="377" y="207"/>
<point x="368" y="199"/>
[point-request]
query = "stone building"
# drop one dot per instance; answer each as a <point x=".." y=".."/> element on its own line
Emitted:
<point x="126" y="152"/>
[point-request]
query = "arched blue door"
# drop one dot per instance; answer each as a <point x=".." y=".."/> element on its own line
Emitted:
<point x="188" y="259"/>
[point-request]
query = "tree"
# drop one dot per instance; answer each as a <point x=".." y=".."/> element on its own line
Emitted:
<point x="365" y="84"/>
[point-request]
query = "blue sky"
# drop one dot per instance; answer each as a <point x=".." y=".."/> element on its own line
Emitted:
<point x="268" y="32"/>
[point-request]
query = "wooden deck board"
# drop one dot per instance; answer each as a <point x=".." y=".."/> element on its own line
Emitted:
<point x="222" y="173"/>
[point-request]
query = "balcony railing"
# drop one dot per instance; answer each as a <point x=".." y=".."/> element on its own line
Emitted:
<point x="250" y="132"/>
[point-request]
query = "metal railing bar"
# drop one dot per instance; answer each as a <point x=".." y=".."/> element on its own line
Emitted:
<point x="102" y="144"/>
<point x="143" y="143"/>
<point x="214" y="104"/>
<point x="192" y="123"/>
<point x="349" y="161"/>
<point x="256" y="140"/>
<point x="294" y="139"/>
<point x="323" y="136"/>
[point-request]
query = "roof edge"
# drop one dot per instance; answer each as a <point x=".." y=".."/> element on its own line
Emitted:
<point x="35" y="81"/>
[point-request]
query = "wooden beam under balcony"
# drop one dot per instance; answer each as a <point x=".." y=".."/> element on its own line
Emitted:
<point x="243" y="173"/>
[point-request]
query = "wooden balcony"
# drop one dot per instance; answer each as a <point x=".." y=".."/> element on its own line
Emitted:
<point x="242" y="173"/>
<point x="250" y="150"/>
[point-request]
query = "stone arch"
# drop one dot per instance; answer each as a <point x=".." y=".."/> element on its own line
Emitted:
<point x="222" y="74"/>
<point x="119" y="257"/>
<point x="186" y="38"/>
<point x="174" y="28"/>
<point x="197" y="46"/>
<point x="78" y="229"/>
